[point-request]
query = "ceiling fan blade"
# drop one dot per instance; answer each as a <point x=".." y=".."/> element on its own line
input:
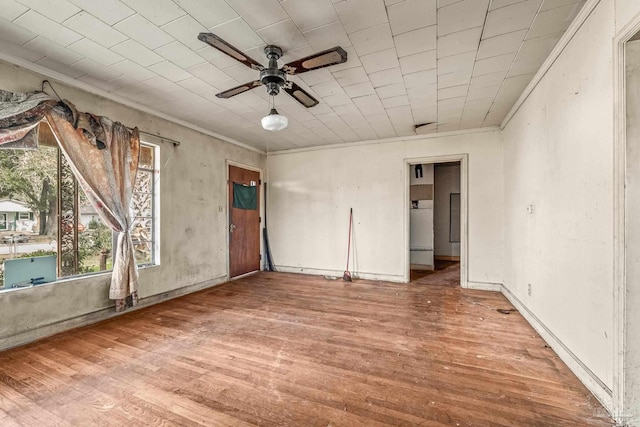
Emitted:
<point x="300" y="95"/>
<point x="238" y="89"/>
<point x="224" y="47"/>
<point x="326" y="58"/>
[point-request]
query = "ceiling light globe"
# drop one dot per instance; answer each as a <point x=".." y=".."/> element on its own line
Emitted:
<point x="274" y="121"/>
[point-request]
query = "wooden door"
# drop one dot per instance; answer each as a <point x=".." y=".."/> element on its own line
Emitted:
<point x="244" y="226"/>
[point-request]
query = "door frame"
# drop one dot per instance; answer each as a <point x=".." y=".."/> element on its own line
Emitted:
<point x="227" y="210"/>
<point x="6" y="221"/>
<point x="464" y="206"/>
<point x="619" y="213"/>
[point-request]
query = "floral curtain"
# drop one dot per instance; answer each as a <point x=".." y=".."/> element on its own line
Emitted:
<point x="104" y="157"/>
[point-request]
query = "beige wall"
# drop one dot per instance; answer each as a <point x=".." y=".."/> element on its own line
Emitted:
<point x="193" y="236"/>
<point x="310" y="193"/>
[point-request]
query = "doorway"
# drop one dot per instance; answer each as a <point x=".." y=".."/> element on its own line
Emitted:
<point x="436" y="218"/>
<point x="244" y="221"/>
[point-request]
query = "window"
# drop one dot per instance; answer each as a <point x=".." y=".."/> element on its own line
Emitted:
<point x="66" y="224"/>
<point x="143" y="207"/>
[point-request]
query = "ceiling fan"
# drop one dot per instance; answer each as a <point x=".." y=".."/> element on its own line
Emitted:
<point x="272" y="77"/>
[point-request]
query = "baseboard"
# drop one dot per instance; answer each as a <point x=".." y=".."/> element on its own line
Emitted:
<point x="484" y="286"/>
<point x="584" y="374"/>
<point x="446" y="258"/>
<point x="45" y="331"/>
<point x="339" y="273"/>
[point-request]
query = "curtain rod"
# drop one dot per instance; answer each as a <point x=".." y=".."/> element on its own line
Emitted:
<point x="173" y="141"/>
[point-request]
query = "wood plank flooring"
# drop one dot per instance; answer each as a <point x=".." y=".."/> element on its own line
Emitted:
<point x="280" y="349"/>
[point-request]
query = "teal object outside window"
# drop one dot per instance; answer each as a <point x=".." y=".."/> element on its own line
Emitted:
<point x="245" y="196"/>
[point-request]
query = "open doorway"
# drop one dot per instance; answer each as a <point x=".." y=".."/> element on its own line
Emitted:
<point x="435" y="219"/>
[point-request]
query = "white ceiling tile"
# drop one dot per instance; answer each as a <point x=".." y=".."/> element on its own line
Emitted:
<point x="395" y="101"/>
<point x="460" y="42"/>
<point x="351" y="76"/>
<point x="448" y="127"/>
<point x="552" y="4"/>
<point x="513" y="86"/>
<point x="381" y="125"/>
<point x="309" y="14"/>
<point x="170" y="71"/>
<point x="523" y="67"/>
<point x="445" y="3"/>
<point x="418" y="62"/>
<point x="94" y="29"/>
<point x="139" y="54"/>
<point x="54" y="65"/>
<point x="217" y="58"/>
<point x="486" y="80"/>
<point x="479" y="104"/>
<point x="457" y="63"/>
<point x="163" y="85"/>
<point x="109" y="11"/>
<point x="95" y="69"/>
<point x="158" y="12"/>
<point x="392" y="90"/>
<point x="402" y="120"/>
<point x="360" y="89"/>
<point x="416" y="41"/>
<point x="451" y="105"/>
<point x="453" y="92"/>
<point x="57" y="10"/>
<point x="209" y="74"/>
<point x="423" y="95"/>
<point x="336" y="100"/>
<point x="424" y="115"/>
<point x="186" y="30"/>
<point x="511" y="18"/>
<point x="497" y="4"/>
<point x="311" y="78"/>
<point x="178" y="53"/>
<point x="500" y="45"/>
<point x="259" y="14"/>
<point x="411" y="15"/>
<point x="357" y="15"/>
<point x="454" y="79"/>
<point x="477" y="92"/>
<point x="328" y="88"/>
<point x="208" y="13"/>
<point x="100" y="54"/>
<point x="96" y="82"/>
<point x="538" y="48"/>
<point x="284" y="34"/>
<point x="12" y="33"/>
<point x="461" y="16"/>
<point x="378" y="61"/>
<point x="493" y="64"/>
<point x="420" y="79"/>
<point x="241" y="73"/>
<point x="45" y="27"/>
<point x="52" y="51"/>
<point x="238" y="33"/>
<point x="347" y="109"/>
<point x="386" y="77"/>
<point x="553" y="20"/>
<point x="10" y="9"/>
<point x="372" y="39"/>
<point x="133" y="70"/>
<point x="144" y="32"/>
<point x="328" y="36"/>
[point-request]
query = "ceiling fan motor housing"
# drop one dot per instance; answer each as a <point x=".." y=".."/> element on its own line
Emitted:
<point x="272" y="77"/>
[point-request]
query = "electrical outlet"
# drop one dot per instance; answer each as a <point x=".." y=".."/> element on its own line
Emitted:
<point x="220" y="208"/>
<point x="530" y="209"/>
<point x="529" y="288"/>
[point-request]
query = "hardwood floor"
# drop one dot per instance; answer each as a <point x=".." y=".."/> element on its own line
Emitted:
<point x="280" y="349"/>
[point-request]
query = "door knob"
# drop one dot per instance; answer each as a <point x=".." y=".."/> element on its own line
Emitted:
<point x="231" y="227"/>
